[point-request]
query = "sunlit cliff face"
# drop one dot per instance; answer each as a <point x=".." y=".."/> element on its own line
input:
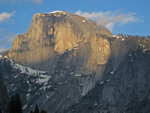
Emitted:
<point x="53" y="34"/>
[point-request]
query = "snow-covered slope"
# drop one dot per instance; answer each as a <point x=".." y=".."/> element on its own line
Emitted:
<point x="28" y="82"/>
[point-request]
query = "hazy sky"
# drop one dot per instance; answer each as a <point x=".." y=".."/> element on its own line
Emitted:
<point x="119" y="16"/>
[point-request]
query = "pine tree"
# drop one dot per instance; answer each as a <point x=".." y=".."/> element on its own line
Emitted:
<point x="14" y="105"/>
<point x="36" y="109"/>
<point x="11" y="105"/>
<point x="3" y="92"/>
<point x="18" y="103"/>
<point x="0" y="110"/>
<point x="43" y="111"/>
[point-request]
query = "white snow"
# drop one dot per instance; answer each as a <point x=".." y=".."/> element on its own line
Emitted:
<point x="25" y="106"/>
<point x="77" y="75"/>
<point x="58" y="11"/>
<point x="43" y="79"/>
<point x="111" y="72"/>
<point x="131" y="60"/>
<point x="66" y="81"/>
<point x="122" y="39"/>
<point x="28" y="96"/>
<point x="69" y="49"/>
<point x="117" y="37"/>
<point x="76" y="45"/>
<point x="28" y="70"/>
<point x="130" y="54"/>
<point x="95" y="103"/>
<point x="1" y="56"/>
<point x="81" y="84"/>
<point x="49" y="86"/>
<point x="83" y="21"/>
<point x="102" y="82"/>
<point x="107" y="80"/>
<point x="42" y="88"/>
<point x="42" y="76"/>
<point x="143" y="46"/>
<point x="23" y="69"/>
<point x="144" y="50"/>
<point x="112" y="36"/>
<point x="28" y="82"/>
<point x="5" y="56"/>
<point x="12" y="84"/>
<point x="14" y="88"/>
<point x="72" y="73"/>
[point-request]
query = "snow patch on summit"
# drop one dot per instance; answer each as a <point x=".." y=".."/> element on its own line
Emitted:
<point x="83" y="21"/>
<point x="58" y="11"/>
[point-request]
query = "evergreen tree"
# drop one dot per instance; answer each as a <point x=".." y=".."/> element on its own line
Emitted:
<point x="14" y="105"/>
<point x="18" y="103"/>
<point x="11" y="105"/>
<point x="0" y="110"/>
<point x="36" y="109"/>
<point x="3" y="92"/>
<point x="43" y="111"/>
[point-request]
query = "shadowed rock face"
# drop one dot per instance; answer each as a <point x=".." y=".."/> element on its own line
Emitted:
<point x="51" y="35"/>
<point x="125" y="86"/>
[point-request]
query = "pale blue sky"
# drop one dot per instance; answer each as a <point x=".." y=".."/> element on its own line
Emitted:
<point x="121" y="16"/>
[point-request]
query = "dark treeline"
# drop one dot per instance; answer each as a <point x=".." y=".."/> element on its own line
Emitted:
<point x="0" y="110"/>
<point x="36" y="110"/>
<point x="138" y="36"/>
<point x="15" y="106"/>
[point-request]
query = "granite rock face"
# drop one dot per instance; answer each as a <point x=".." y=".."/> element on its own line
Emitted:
<point x="69" y="48"/>
<point x="51" y="35"/>
<point x="124" y="87"/>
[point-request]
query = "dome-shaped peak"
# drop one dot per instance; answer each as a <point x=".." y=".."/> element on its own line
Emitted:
<point x="56" y="13"/>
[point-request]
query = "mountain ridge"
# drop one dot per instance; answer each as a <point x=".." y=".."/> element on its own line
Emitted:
<point x="83" y="68"/>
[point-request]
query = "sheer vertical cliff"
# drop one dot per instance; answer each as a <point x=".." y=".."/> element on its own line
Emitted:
<point x="51" y="35"/>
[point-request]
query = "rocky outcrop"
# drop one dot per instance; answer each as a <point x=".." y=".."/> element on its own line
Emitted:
<point x="51" y="35"/>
